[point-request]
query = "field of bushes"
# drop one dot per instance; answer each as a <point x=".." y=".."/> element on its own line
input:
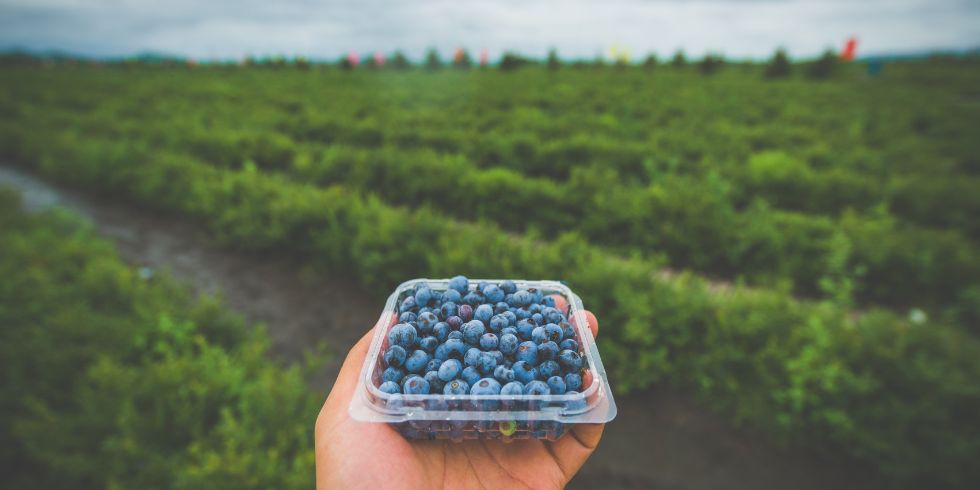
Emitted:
<point x="801" y="253"/>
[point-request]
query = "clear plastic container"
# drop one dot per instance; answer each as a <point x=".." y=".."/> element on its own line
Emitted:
<point x="439" y="416"/>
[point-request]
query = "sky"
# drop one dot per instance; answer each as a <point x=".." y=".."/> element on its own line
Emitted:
<point x="231" y="29"/>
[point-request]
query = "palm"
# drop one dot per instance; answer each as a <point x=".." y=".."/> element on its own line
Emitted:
<point x="371" y="455"/>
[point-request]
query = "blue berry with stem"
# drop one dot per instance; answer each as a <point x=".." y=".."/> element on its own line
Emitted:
<point x="554" y="332"/>
<point x="525" y="329"/>
<point x="456" y="348"/>
<point x="508" y="343"/>
<point x="433" y="364"/>
<point x="429" y="344"/>
<point x="448" y="309"/>
<point x="485" y="386"/>
<point x="537" y="387"/>
<point x="548" y="369"/>
<point x="527" y="352"/>
<point x="472" y="331"/>
<point x="483" y="313"/>
<point x="441" y="331"/>
<point x="524" y="372"/>
<point x="569" y="344"/>
<point x="456" y="387"/>
<point x="493" y="294"/>
<point x="557" y="385"/>
<point x="570" y="360"/>
<point x="548" y="351"/>
<point x="407" y="317"/>
<point x="426" y="321"/>
<point x="573" y="382"/>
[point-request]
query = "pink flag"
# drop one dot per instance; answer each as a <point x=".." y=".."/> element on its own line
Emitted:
<point x="484" y="57"/>
<point x="379" y="59"/>
<point x="353" y="58"/>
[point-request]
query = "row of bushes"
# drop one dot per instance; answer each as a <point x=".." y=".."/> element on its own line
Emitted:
<point x="110" y="380"/>
<point x="873" y="386"/>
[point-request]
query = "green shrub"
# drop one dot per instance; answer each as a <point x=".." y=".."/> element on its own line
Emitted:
<point x="779" y="66"/>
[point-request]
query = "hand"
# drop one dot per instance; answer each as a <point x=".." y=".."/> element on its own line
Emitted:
<point x="352" y="454"/>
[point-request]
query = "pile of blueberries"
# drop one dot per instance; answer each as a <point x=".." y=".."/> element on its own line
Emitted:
<point x="496" y="339"/>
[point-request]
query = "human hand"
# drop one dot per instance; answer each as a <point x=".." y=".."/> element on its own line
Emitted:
<point x="352" y="454"/>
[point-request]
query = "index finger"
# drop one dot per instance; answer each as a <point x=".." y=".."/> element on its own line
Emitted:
<point x="562" y="304"/>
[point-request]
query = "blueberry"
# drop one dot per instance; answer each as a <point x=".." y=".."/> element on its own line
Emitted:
<point x="441" y="353"/>
<point x="435" y="384"/>
<point x="454" y="322"/>
<point x="548" y="351"/>
<point x="524" y="329"/>
<point x="486" y="363"/>
<point x="472" y="331"/>
<point x="498" y="323"/>
<point x="483" y="313"/>
<point x="415" y="385"/>
<point x="390" y="387"/>
<point x="402" y="334"/>
<point x="524" y="372"/>
<point x="470" y="375"/>
<point x="508" y="287"/>
<point x="460" y="284"/>
<point x="465" y="312"/>
<point x="569" y="344"/>
<point x="408" y="304"/>
<point x="497" y="356"/>
<point x="393" y="374"/>
<point x="500" y="308"/>
<point x="535" y="309"/>
<point x="536" y="295"/>
<point x="448" y="309"/>
<point x="441" y="331"/>
<point x="521" y="313"/>
<point x="472" y="356"/>
<point x="417" y="361"/>
<point x="537" y="388"/>
<point x="548" y="369"/>
<point x="508" y="343"/>
<point x="424" y="310"/>
<point x="548" y="301"/>
<point x="451" y="296"/>
<point x="395" y="356"/>
<point x="554" y="332"/>
<point x="528" y="352"/>
<point x="423" y="295"/>
<point x="538" y="335"/>
<point x="486" y="386"/>
<point x="552" y="315"/>
<point x="455" y="347"/>
<point x="567" y="332"/>
<point x="512" y="388"/>
<point x="509" y="330"/>
<point x="489" y="341"/>
<point x="428" y="344"/>
<point x="482" y="286"/>
<point x="493" y="294"/>
<point x="503" y="374"/>
<point x="433" y="364"/>
<point x="473" y="298"/>
<point x="455" y="334"/>
<point x="449" y="370"/>
<point x="570" y="360"/>
<point x="511" y="317"/>
<point x="557" y="385"/>
<point x="573" y="382"/>
<point x="407" y="317"/>
<point x="456" y="387"/>
<point x="536" y="318"/>
<point x="522" y="298"/>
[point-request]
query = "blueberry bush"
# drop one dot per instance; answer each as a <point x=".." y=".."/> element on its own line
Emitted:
<point x="832" y="209"/>
<point x="109" y="380"/>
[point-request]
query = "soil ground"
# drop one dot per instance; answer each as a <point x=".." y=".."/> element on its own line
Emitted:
<point x="661" y="439"/>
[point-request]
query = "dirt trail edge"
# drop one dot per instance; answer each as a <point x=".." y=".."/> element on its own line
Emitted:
<point x="660" y="440"/>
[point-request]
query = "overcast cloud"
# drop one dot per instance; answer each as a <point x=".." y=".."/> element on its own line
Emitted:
<point x="231" y="29"/>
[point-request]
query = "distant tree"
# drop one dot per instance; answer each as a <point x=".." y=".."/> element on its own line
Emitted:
<point x="650" y="62"/>
<point x="678" y="60"/>
<point x="824" y="66"/>
<point x="711" y="64"/>
<point x="512" y="61"/>
<point x="302" y="63"/>
<point x="461" y="59"/>
<point x="432" y="60"/>
<point x="553" y="62"/>
<point x="345" y="63"/>
<point x="780" y="66"/>
<point x="399" y="61"/>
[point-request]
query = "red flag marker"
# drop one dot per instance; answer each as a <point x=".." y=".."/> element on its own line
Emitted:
<point x="484" y="57"/>
<point x="849" y="49"/>
<point x="353" y="58"/>
<point x="379" y="59"/>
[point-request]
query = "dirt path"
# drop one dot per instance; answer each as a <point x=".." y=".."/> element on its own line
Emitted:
<point x="660" y="440"/>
